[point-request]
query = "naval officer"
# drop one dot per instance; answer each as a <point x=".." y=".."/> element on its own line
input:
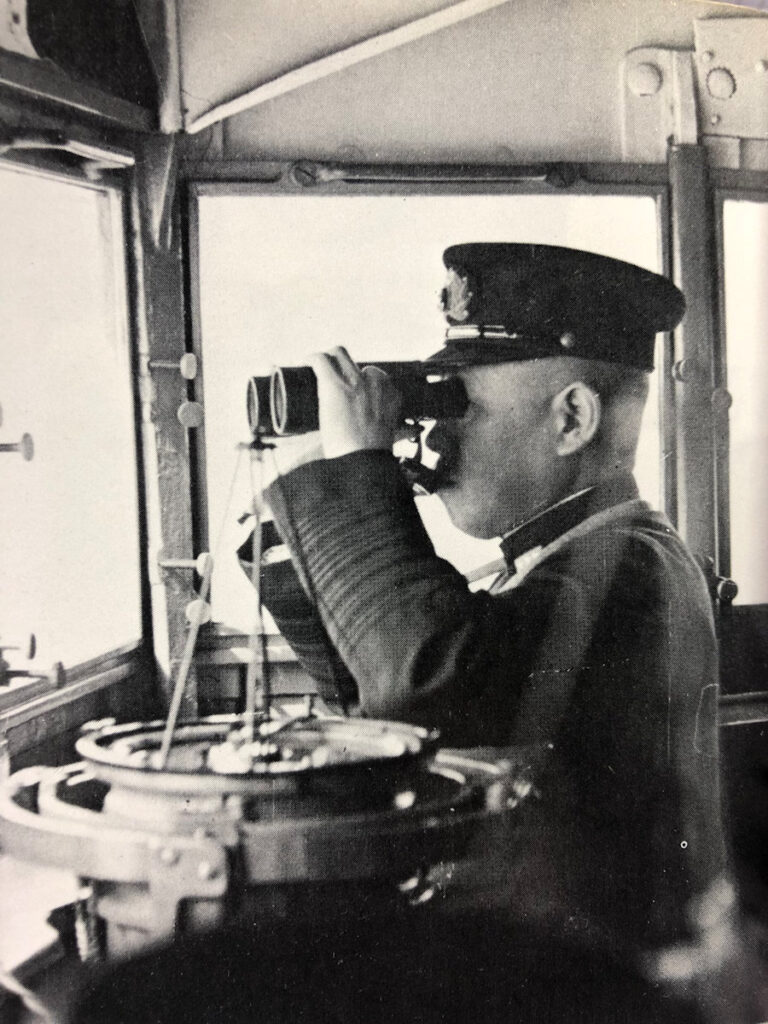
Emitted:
<point x="596" y="641"/>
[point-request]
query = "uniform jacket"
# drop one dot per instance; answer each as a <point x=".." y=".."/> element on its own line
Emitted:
<point x="613" y="620"/>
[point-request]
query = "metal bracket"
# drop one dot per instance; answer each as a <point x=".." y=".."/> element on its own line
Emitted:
<point x="731" y="68"/>
<point x="658" y="103"/>
<point x="732" y="76"/>
<point x="717" y="94"/>
<point x="174" y="868"/>
<point x="180" y="870"/>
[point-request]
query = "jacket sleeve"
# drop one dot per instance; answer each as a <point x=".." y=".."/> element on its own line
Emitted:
<point x="420" y="646"/>
<point x="298" y="621"/>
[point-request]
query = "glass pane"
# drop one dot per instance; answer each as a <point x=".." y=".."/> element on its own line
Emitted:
<point x="69" y="521"/>
<point x="746" y="307"/>
<point x="284" y="276"/>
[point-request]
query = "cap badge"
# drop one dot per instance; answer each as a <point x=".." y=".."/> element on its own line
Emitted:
<point x="568" y="339"/>
<point x="456" y="297"/>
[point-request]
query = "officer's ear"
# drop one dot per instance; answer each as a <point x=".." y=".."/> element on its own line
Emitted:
<point x="577" y="411"/>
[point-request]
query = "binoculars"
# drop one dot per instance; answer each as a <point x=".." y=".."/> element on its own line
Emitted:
<point x="286" y="402"/>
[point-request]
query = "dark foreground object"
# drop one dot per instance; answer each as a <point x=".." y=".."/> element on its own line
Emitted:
<point x="407" y="968"/>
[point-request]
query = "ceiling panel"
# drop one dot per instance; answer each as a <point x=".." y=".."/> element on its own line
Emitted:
<point x="227" y="49"/>
<point x="533" y="79"/>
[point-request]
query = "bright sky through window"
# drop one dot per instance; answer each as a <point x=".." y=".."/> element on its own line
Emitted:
<point x="68" y="519"/>
<point x="284" y="276"/>
<point x="746" y="308"/>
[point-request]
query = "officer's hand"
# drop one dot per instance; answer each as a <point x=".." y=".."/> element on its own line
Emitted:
<point x="359" y="409"/>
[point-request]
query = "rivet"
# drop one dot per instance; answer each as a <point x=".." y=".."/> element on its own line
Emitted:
<point x="169" y="856"/>
<point x="568" y="339"/>
<point x="721" y="84"/>
<point x="686" y="371"/>
<point x="190" y="415"/>
<point x="707" y="56"/>
<point x="715" y="119"/>
<point x="761" y="67"/>
<point x="644" y="79"/>
<point x="722" y="400"/>
<point x="727" y="590"/>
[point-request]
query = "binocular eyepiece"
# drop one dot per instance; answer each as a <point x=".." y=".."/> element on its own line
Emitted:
<point x="286" y="402"/>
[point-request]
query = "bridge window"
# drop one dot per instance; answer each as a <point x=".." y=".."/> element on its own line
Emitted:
<point x="69" y="521"/>
<point x="745" y="237"/>
<point x="281" y="276"/>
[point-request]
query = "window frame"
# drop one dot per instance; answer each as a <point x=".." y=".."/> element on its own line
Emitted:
<point x="722" y="450"/>
<point x="269" y="179"/>
<point x="52" y="706"/>
<point x="743" y="628"/>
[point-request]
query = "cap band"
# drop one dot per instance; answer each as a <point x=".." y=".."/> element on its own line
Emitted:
<point x="471" y="331"/>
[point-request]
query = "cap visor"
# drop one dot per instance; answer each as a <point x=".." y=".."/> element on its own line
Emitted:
<point x="485" y="353"/>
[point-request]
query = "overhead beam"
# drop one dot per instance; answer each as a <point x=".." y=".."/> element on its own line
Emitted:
<point x="40" y="81"/>
<point x="342" y="59"/>
<point x="160" y="27"/>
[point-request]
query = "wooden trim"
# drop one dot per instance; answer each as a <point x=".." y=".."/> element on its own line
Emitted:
<point x="160" y="319"/>
<point x="38" y="707"/>
<point x="58" y="713"/>
<point x="693" y="255"/>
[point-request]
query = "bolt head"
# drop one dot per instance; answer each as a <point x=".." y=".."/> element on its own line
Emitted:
<point x="722" y="399"/>
<point x="721" y="84"/>
<point x="206" y="871"/>
<point x="644" y="79"/>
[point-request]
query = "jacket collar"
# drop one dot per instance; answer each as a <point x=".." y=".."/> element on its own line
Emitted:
<point x="556" y="520"/>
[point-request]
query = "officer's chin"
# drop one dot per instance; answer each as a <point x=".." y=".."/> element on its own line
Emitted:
<point x="463" y="514"/>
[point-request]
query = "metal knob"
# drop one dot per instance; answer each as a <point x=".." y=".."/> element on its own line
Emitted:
<point x="26" y="447"/>
<point x="187" y="365"/>
<point x="202" y="564"/>
<point x="6" y="672"/>
<point x="726" y="589"/>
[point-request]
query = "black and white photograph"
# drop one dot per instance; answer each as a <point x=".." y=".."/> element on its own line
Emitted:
<point x="383" y="546"/>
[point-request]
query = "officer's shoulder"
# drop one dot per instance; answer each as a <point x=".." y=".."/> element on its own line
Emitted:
<point x="646" y="549"/>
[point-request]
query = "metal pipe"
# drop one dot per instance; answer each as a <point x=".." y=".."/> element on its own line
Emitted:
<point x="558" y="175"/>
